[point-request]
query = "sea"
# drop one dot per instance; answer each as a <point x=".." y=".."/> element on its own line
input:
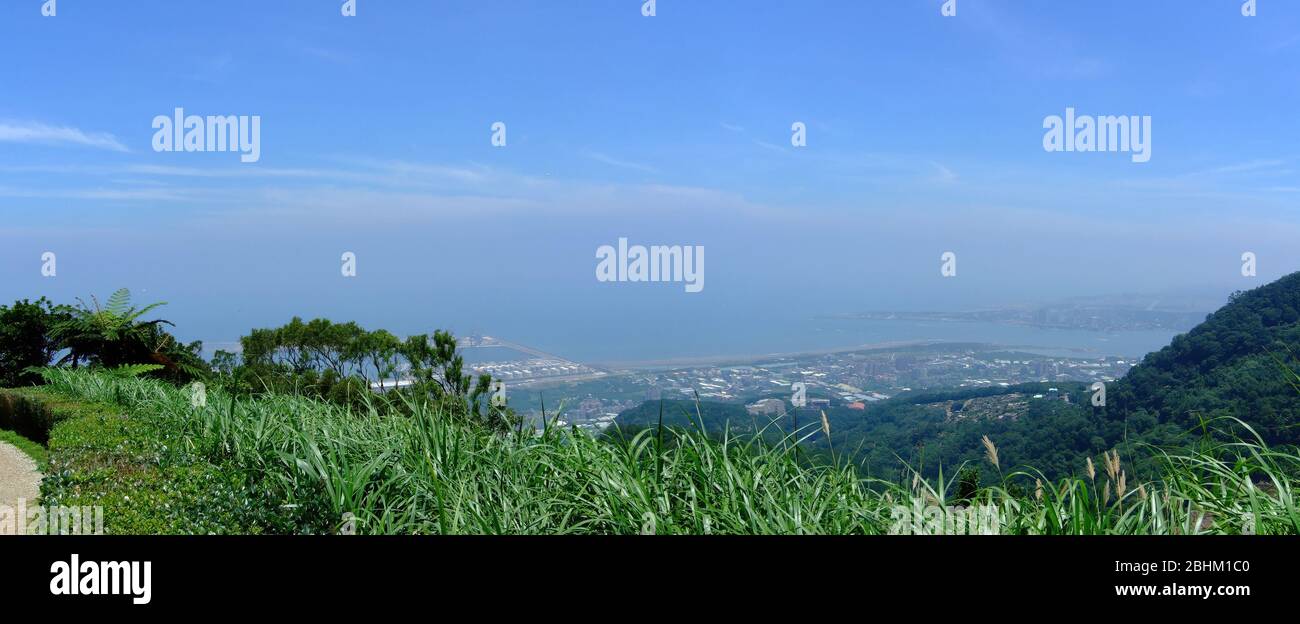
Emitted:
<point x="620" y="342"/>
<point x="602" y="344"/>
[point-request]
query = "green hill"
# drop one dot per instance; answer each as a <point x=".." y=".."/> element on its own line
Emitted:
<point x="1237" y="363"/>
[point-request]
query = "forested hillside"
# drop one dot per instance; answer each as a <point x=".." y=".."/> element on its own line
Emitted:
<point x="1239" y="363"/>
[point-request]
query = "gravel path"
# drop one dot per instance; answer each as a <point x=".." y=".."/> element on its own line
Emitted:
<point x="18" y="477"/>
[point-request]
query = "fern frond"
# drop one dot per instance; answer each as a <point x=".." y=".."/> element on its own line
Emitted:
<point x="47" y="373"/>
<point x="119" y="302"/>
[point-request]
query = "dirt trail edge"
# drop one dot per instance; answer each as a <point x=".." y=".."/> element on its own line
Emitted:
<point x="19" y="479"/>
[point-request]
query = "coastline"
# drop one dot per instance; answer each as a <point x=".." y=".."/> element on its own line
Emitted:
<point x="716" y="360"/>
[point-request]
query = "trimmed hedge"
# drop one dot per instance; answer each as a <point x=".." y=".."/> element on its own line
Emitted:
<point x="32" y="412"/>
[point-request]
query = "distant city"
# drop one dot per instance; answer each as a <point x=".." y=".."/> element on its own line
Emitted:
<point x="588" y="396"/>
<point x="521" y="366"/>
<point x="852" y="378"/>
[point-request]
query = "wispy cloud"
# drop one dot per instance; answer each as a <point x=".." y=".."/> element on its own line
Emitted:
<point x="944" y="174"/>
<point x="98" y="194"/>
<point x="615" y="162"/>
<point x="1204" y="180"/>
<point x="1034" y="47"/>
<point x="355" y="170"/>
<point x="324" y="54"/>
<point x="256" y="172"/>
<point x="39" y="133"/>
<point x="1286" y="43"/>
<point x="404" y="170"/>
<point x="571" y="199"/>
<point x="1254" y="165"/>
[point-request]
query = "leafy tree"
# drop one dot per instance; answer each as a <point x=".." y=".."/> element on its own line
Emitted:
<point x="380" y="351"/>
<point x="224" y="363"/>
<point x="27" y="340"/>
<point x="439" y="370"/>
<point x="343" y="363"/>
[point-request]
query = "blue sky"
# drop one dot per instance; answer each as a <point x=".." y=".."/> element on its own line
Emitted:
<point x="924" y="136"/>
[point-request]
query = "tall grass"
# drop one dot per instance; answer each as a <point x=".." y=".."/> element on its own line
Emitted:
<point x="430" y="473"/>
